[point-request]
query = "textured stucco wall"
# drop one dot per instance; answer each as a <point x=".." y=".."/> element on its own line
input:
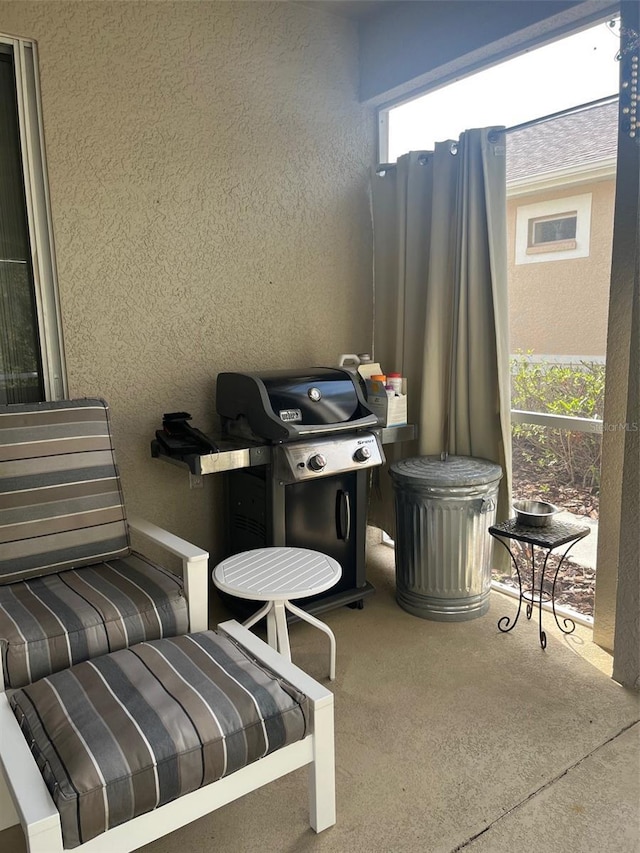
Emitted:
<point x="208" y="166"/>
<point x="560" y="307"/>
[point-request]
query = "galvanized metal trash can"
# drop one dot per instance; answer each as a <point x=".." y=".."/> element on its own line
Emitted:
<point x="444" y="509"/>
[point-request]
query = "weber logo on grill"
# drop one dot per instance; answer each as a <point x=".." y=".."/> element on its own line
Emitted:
<point x="289" y="415"/>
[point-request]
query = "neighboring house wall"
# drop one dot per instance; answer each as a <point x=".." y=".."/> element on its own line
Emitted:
<point x="208" y="166"/>
<point x="560" y="307"/>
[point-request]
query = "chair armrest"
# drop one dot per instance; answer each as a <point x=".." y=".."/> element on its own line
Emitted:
<point x="30" y="795"/>
<point x="322" y="773"/>
<point x="195" y="568"/>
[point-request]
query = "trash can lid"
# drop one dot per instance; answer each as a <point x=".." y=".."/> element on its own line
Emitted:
<point x="454" y="471"/>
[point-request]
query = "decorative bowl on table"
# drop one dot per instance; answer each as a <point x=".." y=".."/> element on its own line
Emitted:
<point x="535" y="513"/>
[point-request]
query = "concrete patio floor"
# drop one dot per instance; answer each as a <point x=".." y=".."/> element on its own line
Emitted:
<point x="449" y="737"/>
<point x="585" y="550"/>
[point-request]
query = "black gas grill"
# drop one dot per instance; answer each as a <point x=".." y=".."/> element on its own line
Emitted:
<point x="312" y="493"/>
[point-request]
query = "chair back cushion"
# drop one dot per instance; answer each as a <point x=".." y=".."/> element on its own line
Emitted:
<point x="60" y="497"/>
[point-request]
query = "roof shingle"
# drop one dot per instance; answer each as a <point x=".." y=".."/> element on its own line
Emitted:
<point x="553" y="144"/>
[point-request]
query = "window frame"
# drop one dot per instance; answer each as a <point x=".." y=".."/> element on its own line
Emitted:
<point x="40" y="227"/>
<point x="564" y="243"/>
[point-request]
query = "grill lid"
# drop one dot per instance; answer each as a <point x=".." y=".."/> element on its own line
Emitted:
<point x="283" y="405"/>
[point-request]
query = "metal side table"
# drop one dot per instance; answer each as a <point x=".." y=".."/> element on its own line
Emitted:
<point x="551" y="536"/>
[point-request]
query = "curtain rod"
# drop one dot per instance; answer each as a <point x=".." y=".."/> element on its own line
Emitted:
<point x="609" y="99"/>
<point x="494" y="135"/>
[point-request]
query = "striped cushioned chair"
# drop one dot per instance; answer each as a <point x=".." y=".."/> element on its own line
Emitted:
<point x="71" y="587"/>
<point x="132" y="727"/>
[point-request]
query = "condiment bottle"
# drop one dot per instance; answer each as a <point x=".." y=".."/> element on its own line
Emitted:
<point x="395" y="380"/>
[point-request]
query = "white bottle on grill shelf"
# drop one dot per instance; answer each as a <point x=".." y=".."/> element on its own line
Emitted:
<point x="360" y="365"/>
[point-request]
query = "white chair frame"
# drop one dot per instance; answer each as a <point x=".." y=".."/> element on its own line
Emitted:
<point x="40" y="819"/>
<point x="195" y="574"/>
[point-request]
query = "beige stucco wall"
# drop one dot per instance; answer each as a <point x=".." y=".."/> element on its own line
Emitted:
<point x="560" y="307"/>
<point x="208" y="166"/>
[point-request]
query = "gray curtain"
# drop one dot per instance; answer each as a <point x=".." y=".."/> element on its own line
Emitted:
<point x="441" y="314"/>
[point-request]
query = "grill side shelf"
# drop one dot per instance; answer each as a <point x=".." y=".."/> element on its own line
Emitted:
<point x="229" y="457"/>
<point x="391" y="435"/>
<point x="235" y="454"/>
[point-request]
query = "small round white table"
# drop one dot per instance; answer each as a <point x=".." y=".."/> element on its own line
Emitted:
<point x="276" y="575"/>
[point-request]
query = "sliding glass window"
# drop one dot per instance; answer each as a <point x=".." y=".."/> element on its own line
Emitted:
<point x="31" y="353"/>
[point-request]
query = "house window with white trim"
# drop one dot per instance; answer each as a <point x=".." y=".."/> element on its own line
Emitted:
<point x="554" y="230"/>
<point x="31" y="357"/>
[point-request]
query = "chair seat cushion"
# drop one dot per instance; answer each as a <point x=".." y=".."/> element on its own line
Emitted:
<point x="52" y="622"/>
<point x="120" y="735"/>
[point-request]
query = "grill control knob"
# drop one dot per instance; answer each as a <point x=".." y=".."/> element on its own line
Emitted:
<point x="362" y="454"/>
<point x="317" y="462"/>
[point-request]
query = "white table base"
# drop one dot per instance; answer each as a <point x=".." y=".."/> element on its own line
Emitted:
<point x="278" y="632"/>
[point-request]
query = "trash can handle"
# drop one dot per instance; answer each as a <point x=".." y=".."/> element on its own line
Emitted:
<point x="488" y="505"/>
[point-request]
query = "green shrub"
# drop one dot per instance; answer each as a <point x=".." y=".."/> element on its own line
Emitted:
<point x="572" y="390"/>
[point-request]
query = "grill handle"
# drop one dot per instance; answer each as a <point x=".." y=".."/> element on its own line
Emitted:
<point x="343" y="516"/>
<point x="370" y="421"/>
